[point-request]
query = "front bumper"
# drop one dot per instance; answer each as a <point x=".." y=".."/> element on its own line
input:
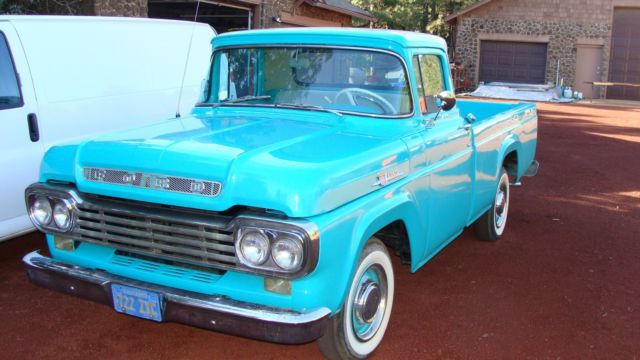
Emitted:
<point x="217" y="313"/>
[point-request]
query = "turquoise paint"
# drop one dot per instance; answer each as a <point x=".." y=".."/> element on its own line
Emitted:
<point x="316" y="166"/>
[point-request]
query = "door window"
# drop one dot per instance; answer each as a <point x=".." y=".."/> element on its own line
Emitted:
<point x="429" y="76"/>
<point x="9" y="88"/>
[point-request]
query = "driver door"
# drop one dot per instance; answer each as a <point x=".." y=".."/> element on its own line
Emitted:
<point x="448" y="153"/>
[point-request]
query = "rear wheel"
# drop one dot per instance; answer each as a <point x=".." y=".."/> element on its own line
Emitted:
<point x="490" y="226"/>
<point x="356" y="331"/>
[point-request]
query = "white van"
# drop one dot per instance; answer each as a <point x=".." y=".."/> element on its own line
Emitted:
<point x="63" y="78"/>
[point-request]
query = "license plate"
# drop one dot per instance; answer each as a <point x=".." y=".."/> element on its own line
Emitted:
<point x="137" y="302"/>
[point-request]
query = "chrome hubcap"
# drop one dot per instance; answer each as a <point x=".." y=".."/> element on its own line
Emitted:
<point x="369" y="303"/>
<point x="501" y="205"/>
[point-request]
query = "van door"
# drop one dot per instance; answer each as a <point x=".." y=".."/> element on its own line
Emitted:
<point x="19" y="145"/>
<point x="449" y="155"/>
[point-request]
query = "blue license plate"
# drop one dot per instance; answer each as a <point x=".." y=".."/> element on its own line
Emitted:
<point x="137" y="302"/>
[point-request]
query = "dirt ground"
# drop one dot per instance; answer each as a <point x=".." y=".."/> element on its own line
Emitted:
<point x="563" y="282"/>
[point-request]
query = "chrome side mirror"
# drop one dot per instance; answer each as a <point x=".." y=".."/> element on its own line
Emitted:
<point x="446" y="100"/>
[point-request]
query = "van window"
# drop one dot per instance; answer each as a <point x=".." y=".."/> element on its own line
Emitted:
<point x="428" y="72"/>
<point x="9" y="89"/>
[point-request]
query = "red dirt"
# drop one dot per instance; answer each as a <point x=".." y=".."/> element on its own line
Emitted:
<point x="563" y="282"/>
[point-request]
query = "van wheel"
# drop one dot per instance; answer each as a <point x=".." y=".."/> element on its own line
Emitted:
<point x="490" y="226"/>
<point x="356" y="331"/>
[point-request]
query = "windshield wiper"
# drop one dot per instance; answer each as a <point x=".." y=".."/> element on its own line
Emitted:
<point x="245" y="98"/>
<point x="306" y="107"/>
<point x="236" y="101"/>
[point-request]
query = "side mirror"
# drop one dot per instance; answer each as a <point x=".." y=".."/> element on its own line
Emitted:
<point x="446" y="100"/>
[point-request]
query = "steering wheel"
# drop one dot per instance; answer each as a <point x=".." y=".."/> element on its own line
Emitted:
<point x="371" y="96"/>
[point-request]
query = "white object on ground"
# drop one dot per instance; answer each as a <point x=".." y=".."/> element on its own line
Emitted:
<point x="527" y="92"/>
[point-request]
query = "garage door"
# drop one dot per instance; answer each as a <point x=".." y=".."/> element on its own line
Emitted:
<point x="625" y="54"/>
<point x="518" y="62"/>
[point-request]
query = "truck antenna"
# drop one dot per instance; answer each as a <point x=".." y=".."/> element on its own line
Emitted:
<point x="184" y="72"/>
<point x="195" y="18"/>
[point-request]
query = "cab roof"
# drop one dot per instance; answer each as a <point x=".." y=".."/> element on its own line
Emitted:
<point x="332" y="36"/>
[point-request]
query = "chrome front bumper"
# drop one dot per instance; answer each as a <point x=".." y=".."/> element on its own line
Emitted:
<point x="212" y="312"/>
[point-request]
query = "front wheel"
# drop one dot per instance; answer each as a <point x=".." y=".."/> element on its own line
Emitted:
<point x="356" y="331"/>
<point x="490" y="226"/>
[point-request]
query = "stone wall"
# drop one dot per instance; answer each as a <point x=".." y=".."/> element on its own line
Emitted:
<point x="324" y="14"/>
<point x="275" y="8"/>
<point x="575" y="11"/>
<point x="562" y="38"/>
<point x="137" y="8"/>
<point x="61" y="7"/>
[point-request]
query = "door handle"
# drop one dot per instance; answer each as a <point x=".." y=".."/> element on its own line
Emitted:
<point x="34" y="132"/>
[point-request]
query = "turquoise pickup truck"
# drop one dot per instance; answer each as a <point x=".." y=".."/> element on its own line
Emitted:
<point x="272" y="210"/>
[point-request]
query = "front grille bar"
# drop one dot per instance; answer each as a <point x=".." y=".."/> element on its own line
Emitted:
<point x="171" y="234"/>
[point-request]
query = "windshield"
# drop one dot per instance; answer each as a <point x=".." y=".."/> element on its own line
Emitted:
<point x="343" y="80"/>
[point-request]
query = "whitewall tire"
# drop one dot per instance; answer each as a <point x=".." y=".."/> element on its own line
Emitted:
<point x="490" y="226"/>
<point x="357" y="330"/>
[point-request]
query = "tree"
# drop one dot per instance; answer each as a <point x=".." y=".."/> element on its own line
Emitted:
<point x="413" y="15"/>
<point x="51" y="7"/>
<point x="17" y="7"/>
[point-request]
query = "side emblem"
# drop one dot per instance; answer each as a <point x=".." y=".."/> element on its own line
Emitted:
<point x="386" y="177"/>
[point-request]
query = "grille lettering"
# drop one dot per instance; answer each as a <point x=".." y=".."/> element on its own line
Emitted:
<point x="153" y="181"/>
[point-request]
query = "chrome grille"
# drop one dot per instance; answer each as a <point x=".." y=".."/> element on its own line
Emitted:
<point x="168" y="235"/>
<point x="152" y="181"/>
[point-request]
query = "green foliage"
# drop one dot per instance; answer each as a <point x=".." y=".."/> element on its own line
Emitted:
<point x="49" y="7"/>
<point x="18" y="6"/>
<point x="413" y="15"/>
<point x="431" y="75"/>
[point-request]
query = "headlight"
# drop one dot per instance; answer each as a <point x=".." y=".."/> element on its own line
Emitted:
<point x="287" y="253"/>
<point x="50" y="207"/>
<point x="254" y="247"/>
<point x="277" y="249"/>
<point x="62" y="215"/>
<point x="41" y="211"/>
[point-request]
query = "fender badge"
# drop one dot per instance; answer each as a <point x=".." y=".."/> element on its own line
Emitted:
<point x="387" y="177"/>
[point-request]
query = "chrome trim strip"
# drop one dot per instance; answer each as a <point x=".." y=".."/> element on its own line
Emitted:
<point x="84" y="282"/>
<point x="144" y="180"/>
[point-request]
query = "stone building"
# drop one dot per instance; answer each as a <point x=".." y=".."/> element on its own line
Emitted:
<point x="229" y="15"/>
<point x="541" y="41"/>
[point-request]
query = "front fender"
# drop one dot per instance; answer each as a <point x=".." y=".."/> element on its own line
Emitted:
<point x="344" y="233"/>
<point x="400" y="206"/>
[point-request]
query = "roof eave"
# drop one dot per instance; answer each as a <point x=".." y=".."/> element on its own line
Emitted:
<point x="469" y="8"/>
<point x="342" y="11"/>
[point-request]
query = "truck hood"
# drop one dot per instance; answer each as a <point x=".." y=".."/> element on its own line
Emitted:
<point x="300" y="166"/>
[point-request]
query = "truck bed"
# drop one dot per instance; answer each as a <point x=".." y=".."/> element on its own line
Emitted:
<point x="484" y="110"/>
